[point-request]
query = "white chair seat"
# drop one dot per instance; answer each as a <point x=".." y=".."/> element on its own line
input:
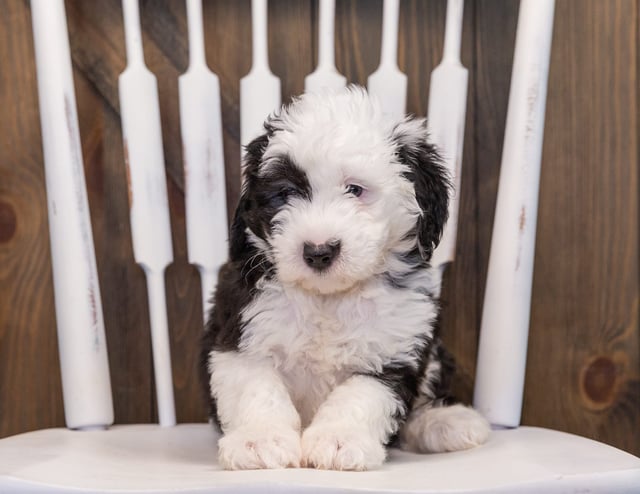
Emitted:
<point x="149" y="458"/>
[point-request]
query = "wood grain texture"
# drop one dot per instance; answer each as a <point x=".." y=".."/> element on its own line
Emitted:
<point x="584" y="356"/>
<point x="586" y="284"/>
<point x="30" y="386"/>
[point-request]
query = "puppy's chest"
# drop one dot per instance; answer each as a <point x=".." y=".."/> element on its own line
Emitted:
<point x="318" y="342"/>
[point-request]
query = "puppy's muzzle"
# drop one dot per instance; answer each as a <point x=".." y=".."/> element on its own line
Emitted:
<point x="320" y="257"/>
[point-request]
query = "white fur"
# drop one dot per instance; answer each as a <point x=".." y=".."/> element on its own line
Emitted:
<point x="339" y="141"/>
<point x="261" y="425"/>
<point x="259" y="446"/>
<point x="441" y="429"/>
<point x="309" y="337"/>
<point x="317" y="341"/>
<point x="297" y="358"/>
<point x="351" y="427"/>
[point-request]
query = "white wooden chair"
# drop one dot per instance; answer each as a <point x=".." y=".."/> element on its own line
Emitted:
<point x="182" y="459"/>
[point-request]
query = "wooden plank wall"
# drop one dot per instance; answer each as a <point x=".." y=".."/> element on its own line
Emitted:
<point x="584" y="355"/>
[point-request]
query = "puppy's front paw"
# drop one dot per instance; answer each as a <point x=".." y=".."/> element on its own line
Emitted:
<point x="250" y="448"/>
<point x="332" y="448"/>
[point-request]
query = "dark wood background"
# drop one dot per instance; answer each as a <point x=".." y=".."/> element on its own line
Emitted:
<point x="583" y="374"/>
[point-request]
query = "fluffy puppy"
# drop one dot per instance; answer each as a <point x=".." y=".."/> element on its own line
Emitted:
<point x="321" y="349"/>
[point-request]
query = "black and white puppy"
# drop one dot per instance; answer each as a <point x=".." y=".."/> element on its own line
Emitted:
<point x="320" y="349"/>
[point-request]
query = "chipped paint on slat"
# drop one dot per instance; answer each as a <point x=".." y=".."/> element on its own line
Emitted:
<point x="209" y="177"/>
<point x="84" y="225"/>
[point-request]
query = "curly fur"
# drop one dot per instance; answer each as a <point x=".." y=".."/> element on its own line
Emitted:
<point x="326" y="367"/>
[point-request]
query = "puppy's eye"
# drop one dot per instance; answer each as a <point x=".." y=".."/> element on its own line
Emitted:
<point x="280" y="197"/>
<point x="355" y="190"/>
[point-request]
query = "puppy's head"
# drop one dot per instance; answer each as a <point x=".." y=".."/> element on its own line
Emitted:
<point x="335" y="194"/>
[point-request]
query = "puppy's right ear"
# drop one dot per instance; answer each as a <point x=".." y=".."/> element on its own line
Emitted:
<point x="238" y="243"/>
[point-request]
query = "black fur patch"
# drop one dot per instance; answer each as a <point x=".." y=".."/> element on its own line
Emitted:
<point x="405" y="380"/>
<point x="235" y="290"/>
<point x="431" y="183"/>
<point x="263" y="195"/>
<point x="266" y="191"/>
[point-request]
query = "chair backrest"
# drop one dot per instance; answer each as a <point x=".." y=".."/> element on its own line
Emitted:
<point x="88" y="400"/>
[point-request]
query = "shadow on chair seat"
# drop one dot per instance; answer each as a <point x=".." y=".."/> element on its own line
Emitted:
<point x="148" y="458"/>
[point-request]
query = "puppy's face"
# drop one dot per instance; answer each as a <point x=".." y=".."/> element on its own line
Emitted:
<point x="334" y="194"/>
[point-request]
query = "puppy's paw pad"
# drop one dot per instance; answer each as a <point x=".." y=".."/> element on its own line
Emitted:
<point x="339" y="449"/>
<point x="453" y="428"/>
<point x="256" y="448"/>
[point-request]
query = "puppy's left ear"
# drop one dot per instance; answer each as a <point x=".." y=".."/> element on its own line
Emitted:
<point x="238" y="243"/>
<point x="430" y="180"/>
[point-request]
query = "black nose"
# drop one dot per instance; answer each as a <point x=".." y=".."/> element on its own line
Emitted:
<point x="320" y="257"/>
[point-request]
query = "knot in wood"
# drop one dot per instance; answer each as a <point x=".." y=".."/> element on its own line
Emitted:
<point x="598" y="382"/>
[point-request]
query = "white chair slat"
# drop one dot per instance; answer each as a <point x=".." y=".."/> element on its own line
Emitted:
<point x="86" y="383"/>
<point x="259" y="89"/>
<point x="202" y="144"/>
<point x="326" y="76"/>
<point x="502" y="349"/>
<point x="148" y="201"/>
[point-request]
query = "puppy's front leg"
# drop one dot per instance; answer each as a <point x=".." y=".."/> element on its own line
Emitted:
<point x="260" y="423"/>
<point x="351" y="428"/>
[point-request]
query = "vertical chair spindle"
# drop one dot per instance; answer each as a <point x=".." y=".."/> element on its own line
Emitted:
<point x="502" y="348"/>
<point x="388" y="84"/>
<point x="259" y="89"/>
<point x="201" y="126"/>
<point x="86" y="384"/>
<point x="326" y="76"/>
<point x="149" y="207"/>
<point x="446" y="122"/>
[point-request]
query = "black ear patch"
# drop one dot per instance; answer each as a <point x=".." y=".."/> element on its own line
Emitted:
<point x="430" y="179"/>
<point x="265" y="191"/>
<point x="237" y="235"/>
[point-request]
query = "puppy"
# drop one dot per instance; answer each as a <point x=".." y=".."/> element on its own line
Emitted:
<point x="321" y="349"/>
